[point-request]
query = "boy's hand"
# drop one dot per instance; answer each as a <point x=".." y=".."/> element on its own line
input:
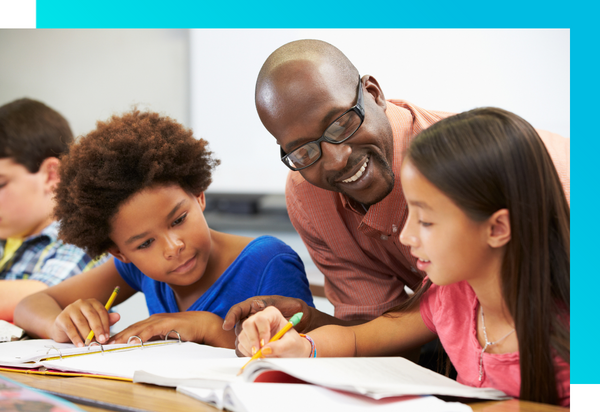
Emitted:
<point x="258" y="330"/>
<point x="199" y="327"/>
<point x="76" y="321"/>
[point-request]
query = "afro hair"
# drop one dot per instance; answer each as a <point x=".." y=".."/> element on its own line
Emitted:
<point x="120" y="158"/>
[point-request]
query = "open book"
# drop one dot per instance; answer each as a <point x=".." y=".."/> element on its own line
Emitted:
<point x="377" y="378"/>
<point x="108" y="361"/>
<point x="260" y="397"/>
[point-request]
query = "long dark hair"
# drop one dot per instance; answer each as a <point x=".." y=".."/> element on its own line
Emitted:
<point x="488" y="159"/>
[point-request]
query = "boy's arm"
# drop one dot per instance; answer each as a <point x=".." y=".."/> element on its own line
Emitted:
<point x="38" y="313"/>
<point x="11" y="293"/>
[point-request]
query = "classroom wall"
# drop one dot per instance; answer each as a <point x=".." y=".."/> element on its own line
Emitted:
<point x="89" y="75"/>
<point x="205" y="79"/>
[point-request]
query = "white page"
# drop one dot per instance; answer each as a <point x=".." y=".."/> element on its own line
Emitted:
<point x="200" y="373"/>
<point x="20" y="352"/>
<point x="212" y="396"/>
<point x="29" y="353"/>
<point x="375" y="377"/>
<point x="125" y="363"/>
<point x="260" y="397"/>
<point x="8" y="331"/>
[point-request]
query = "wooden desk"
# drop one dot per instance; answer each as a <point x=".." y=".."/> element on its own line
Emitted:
<point x="159" y="399"/>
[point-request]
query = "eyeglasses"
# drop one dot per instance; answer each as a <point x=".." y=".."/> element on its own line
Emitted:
<point x="340" y="130"/>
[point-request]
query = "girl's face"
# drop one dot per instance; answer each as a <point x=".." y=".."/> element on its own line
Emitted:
<point x="450" y="246"/>
<point x="162" y="231"/>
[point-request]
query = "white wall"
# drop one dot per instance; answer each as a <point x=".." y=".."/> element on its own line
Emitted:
<point x="524" y="71"/>
<point x="205" y="79"/>
<point x="88" y="75"/>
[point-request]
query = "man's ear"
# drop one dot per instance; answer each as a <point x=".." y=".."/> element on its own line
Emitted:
<point x="499" y="232"/>
<point x="372" y="87"/>
<point x="49" y="170"/>
<point x="113" y="250"/>
<point x="201" y="200"/>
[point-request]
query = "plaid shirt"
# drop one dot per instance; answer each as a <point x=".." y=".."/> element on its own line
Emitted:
<point x="45" y="258"/>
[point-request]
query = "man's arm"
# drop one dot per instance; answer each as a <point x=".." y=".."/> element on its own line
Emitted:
<point x="11" y="293"/>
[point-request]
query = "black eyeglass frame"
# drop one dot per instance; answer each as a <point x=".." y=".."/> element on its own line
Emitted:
<point x="358" y="108"/>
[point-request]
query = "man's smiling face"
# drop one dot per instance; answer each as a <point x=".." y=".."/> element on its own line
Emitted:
<point x="301" y="100"/>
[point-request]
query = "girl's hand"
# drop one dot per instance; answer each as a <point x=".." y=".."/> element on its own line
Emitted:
<point x="199" y="327"/>
<point x="76" y="321"/>
<point x="258" y="330"/>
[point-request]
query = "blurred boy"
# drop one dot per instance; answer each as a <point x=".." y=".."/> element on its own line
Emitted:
<point x="32" y="137"/>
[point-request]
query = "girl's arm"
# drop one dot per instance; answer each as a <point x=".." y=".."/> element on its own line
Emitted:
<point x="68" y="311"/>
<point x="384" y="336"/>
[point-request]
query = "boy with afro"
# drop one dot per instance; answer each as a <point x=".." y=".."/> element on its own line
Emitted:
<point x="135" y="187"/>
<point x="32" y="258"/>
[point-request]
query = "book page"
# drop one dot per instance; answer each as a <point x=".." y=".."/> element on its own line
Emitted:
<point x="374" y="377"/>
<point x="260" y="397"/>
<point x="20" y="352"/>
<point x="29" y="353"/>
<point x="200" y="373"/>
<point x="123" y="364"/>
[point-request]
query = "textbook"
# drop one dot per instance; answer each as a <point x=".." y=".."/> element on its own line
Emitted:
<point x="260" y="397"/>
<point x="377" y="378"/>
<point x="15" y="396"/>
<point x="118" y="361"/>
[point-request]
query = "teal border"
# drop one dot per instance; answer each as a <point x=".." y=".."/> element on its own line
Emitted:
<point x="575" y="15"/>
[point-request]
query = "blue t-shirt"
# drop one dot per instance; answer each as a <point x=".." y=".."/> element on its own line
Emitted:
<point x="266" y="266"/>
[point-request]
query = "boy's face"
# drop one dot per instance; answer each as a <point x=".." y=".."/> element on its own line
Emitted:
<point x="25" y="198"/>
<point x="162" y="231"/>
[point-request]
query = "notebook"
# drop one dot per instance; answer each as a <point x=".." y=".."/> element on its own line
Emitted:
<point x="254" y="397"/>
<point x="15" y="396"/>
<point x="377" y="378"/>
<point x="118" y="361"/>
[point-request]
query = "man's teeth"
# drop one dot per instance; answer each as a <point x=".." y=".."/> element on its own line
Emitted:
<point x="424" y="260"/>
<point x="358" y="174"/>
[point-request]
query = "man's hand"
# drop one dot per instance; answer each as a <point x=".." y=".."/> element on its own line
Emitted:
<point x="287" y="306"/>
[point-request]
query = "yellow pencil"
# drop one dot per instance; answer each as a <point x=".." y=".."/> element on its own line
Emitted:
<point x="294" y="320"/>
<point x="107" y="306"/>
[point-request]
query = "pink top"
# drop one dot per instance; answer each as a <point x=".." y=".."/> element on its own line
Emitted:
<point x="450" y="312"/>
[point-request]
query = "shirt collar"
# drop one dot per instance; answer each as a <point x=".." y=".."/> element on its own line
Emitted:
<point x="50" y="231"/>
<point x="389" y="212"/>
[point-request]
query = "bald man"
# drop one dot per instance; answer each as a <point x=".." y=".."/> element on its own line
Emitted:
<point x="343" y="193"/>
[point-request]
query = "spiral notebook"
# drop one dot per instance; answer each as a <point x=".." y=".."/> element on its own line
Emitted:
<point x="117" y="361"/>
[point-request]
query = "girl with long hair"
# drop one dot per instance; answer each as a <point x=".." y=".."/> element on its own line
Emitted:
<point x="488" y="222"/>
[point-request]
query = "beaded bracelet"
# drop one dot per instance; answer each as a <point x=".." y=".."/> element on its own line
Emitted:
<point x="313" y="347"/>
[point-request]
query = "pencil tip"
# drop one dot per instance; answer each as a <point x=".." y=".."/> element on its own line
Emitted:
<point x="87" y="342"/>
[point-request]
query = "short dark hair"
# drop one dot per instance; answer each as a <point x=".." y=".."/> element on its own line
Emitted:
<point x="120" y="158"/>
<point x="30" y="132"/>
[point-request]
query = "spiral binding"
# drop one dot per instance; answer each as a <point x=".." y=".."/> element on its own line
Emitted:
<point x="97" y="343"/>
<point x="56" y="349"/>
<point x="177" y="333"/>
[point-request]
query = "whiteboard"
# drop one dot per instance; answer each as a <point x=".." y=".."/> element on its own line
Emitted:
<point x="525" y="71"/>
